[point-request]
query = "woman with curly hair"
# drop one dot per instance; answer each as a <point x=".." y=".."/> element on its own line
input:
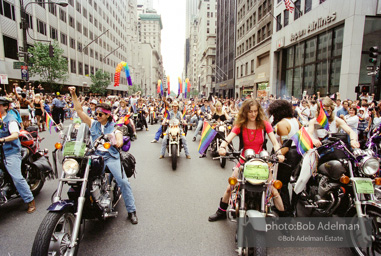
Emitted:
<point x="252" y="124"/>
<point x="285" y="126"/>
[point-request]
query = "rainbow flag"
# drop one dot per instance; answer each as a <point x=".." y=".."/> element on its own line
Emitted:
<point x="122" y="120"/>
<point x="166" y="113"/>
<point x="207" y="136"/>
<point x="194" y="107"/>
<point x="322" y="118"/>
<point x="49" y="123"/>
<point x="303" y="141"/>
<point x="184" y="112"/>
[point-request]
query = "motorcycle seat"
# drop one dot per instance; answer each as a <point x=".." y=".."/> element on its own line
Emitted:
<point x="24" y="153"/>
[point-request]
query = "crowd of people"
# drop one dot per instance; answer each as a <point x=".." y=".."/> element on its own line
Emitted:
<point x="277" y="118"/>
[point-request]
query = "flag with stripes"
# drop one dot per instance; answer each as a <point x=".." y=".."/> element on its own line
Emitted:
<point x="289" y="5"/>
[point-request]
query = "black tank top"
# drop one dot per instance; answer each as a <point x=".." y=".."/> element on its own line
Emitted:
<point x="220" y="117"/>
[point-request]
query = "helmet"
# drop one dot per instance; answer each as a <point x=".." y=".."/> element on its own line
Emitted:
<point x="5" y="100"/>
<point x="26" y="138"/>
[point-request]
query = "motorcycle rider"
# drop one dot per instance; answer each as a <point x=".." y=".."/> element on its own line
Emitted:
<point x="285" y="126"/>
<point x="144" y="113"/>
<point x="111" y="157"/>
<point x="175" y="113"/>
<point x="9" y="137"/>
<point x="250" y="123"/>
<point x="314" y="129"/>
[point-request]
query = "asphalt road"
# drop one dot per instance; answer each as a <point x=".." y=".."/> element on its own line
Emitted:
<point x="172" y="207"/>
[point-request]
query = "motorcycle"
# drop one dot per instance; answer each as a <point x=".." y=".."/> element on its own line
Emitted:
<point x="250" y="200"/>
<point x="174" y="143"/>
<point x="153" y="115"/>
<point x="35" y="168"/>
<point x="138" y="119"/>
<point x="343" y="186"/>
<point x="223" y="129"/>
<point x="125" y="126"/>
<point x="93" y="194"/>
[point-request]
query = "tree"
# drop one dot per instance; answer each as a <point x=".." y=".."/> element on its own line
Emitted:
<point x="49" y="69"/>
<point x="134" y="89"/>
<point x="194" y="93"/>
<point x="100" y="81"/>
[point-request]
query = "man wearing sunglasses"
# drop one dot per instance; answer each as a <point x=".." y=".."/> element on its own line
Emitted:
<point x="103" y="124"/>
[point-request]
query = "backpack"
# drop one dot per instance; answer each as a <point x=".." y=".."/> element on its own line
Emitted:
<point x="128" y="163"/>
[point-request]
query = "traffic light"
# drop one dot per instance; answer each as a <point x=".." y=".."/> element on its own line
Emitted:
<point x="373" y="54"/>
<point x="51" y="50"/>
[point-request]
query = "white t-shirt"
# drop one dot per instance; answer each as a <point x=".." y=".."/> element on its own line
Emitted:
<point x="13" y="126"/>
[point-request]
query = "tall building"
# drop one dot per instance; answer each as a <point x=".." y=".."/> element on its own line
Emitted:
<point x="93" y="35"/>
<point x="206" y="35"/>
<point x="253" y="45"/>
<point x="190" y="16"/>
<point x="225" y="50"/>
<point x="326" y="49"/>
<point x="150" y="26"/>
<point x="192" y="64"/>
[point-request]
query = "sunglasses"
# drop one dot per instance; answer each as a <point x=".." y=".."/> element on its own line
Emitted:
<point x="99" y="114"/>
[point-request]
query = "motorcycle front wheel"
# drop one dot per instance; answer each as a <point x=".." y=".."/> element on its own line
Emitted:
<point x="375" y="248"/>
<point x="174" y="156"/>
<point x="54" y="234"/>
<point x="151" y="119"/>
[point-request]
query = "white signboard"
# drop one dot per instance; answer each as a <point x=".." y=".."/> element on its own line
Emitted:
<point x="3" y="79"/>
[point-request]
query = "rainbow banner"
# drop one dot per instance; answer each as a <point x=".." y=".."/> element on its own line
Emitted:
<point x="169" y="88"/>
<point x="322" y="118"/>
<point x="158" y="86"/>
<point x="207" y="137"/>
<point x="180" y="86"/>
<point x="49" y="123"/>
<point x="122" y="66"/>
<point x="302" y="141"/>
<point x="186" y="87"/>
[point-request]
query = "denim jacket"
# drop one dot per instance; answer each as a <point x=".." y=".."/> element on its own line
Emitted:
<point x="10" y="147"/>
<point x="96" y="131"/>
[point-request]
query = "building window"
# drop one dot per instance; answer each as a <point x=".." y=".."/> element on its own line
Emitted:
<point x="297" y="13"/>
<point x="63" y="39"/>
<point x="79" y="46"/>
<point x="247" y="68"/>
<point x="307" y="6"/>
<point x="41" y="27"/>
<point x="80" y="68"/>
<point x="278" y="22"/>
<point x="71" y="2"/>
<point x="78" y="7"/>
<point x="286" y="15"/>
<point x="53" y="33"/>
<point x="62" y="15"/>
<point x="29" y="19"/>
<point x="84" y="12"/>
<point x="72" y="43"/>
<point x="79" y="27"/>
<point x="73" y="66"/>
<point x="41" y="3"/>
<point x="269" y="29"/>
<point x="71" y="21"/>
<point x="252" y="66"/>
<point x="9" y="10"/>
<point x="53" y="9"/>
<point x="314" y="65"/>
<point x="10" y="47"/>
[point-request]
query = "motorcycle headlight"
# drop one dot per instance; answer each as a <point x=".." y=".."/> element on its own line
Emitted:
<point x="70" y="167"/>
<point x="369" y="165"/>
<point x="221" y="128"/>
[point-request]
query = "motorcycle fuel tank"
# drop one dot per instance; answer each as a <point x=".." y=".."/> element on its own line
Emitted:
<point x="334" y="169"/>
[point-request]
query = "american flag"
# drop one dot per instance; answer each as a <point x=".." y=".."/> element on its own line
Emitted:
<point x="289" y="5"/>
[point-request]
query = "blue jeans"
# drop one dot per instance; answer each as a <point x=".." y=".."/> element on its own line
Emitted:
<point x="199" y="126"/>
<point x="164" y="145"/>
<point x="158" y="133"/>
<point x="115" y="168"/>
<point x="13" y="164"/>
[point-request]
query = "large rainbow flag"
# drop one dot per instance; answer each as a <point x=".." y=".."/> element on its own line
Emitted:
<point x="207" y="135"/>
<point x="49" y="122"/>
<point x="322" y="118"/>
<point x="303" y="141"/>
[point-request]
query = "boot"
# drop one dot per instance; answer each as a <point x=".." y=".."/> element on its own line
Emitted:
<point x="132" y="216"/>
<point x="31" y="207"/>
<point x="39" y="128"/>
<point x="43" y="127"/>
<point x="294" y="202"/>
<point x="220" y="213"/>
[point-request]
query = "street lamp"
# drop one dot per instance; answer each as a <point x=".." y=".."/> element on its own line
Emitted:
<point x="24" y="24"/>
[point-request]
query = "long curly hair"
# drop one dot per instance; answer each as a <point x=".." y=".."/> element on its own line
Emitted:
<point x="242" y="117"/>
<point x="280" y="109"/>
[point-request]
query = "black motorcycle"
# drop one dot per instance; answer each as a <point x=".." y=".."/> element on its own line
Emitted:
<point x="343" y="185"/>
<point x="223" y="129"/>
<point x="93" y="194"/>
<point x="35" y="167"/>
<point x="139" y="118"/>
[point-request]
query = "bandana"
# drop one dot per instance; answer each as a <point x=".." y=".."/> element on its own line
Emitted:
<point x="104" y="110"/>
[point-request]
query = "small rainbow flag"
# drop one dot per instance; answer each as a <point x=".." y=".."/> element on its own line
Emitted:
<point x="166" y="113"/>
<point x="121" y="120"/>
<point x="303" y="141"/>
<point x="322" y="118"/>
<point x="49" y="122"/>
<point x="207" y="137"/>
<point x="184" y="112"/>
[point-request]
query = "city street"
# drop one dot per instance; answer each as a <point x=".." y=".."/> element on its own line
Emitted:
<point x="172" y="207"/>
